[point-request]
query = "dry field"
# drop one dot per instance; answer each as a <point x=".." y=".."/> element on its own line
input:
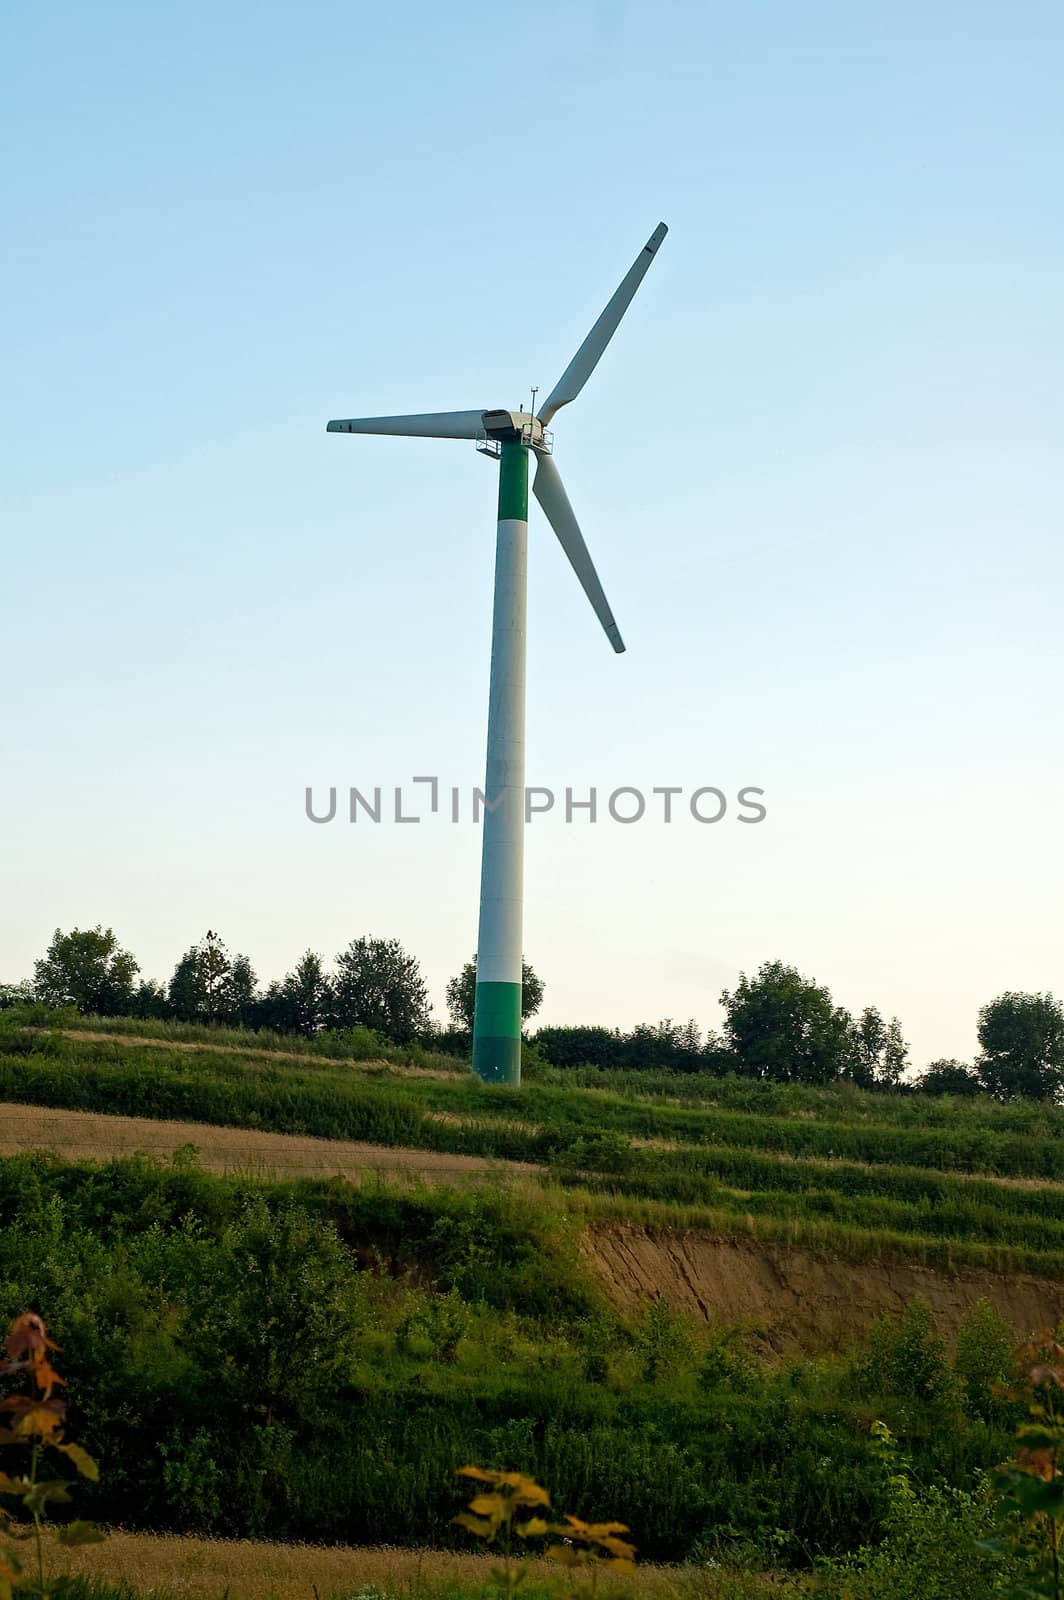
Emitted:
<point x="208" y="1569"/>
<point x="92" y="1136"/>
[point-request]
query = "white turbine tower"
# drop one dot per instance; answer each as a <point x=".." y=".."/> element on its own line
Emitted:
<point x="510" y="436"/>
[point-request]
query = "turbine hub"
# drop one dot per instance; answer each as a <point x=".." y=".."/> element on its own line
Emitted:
<point x="510" y="426"/>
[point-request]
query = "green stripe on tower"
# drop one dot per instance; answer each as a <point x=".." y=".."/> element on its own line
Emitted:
<point x="513" y="482"/>
<point x="497" y="1033"/>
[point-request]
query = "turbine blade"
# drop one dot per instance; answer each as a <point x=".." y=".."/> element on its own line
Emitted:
<point x="550" y="492"/>
<point x="431" y="425"/>
<point x="586" y="359"/>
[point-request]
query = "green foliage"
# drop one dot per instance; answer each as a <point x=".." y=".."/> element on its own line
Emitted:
<point x="238" y="1355"/>
<point x="908" y="1361"/>
<point x="210" y="986"/>
<point x="861" y="1176"/>
<point x="379" y="985"/>
<point x="663" y="1342"/>
<point x="985" y="1361"/>
<point x="1022" y="1042"/>
<point x="442" y="1320"/>
<point x="301" y="1002"/>
<point x="667" y="1046"/>
<point x="949" y="1077"/>
<point x="1030" y="1487"/>
<point x="877" y="1053"/>
<point x="726" y="1364"/>
<point x="88" y="969"/>
<point x="786" y="1028"/>
<point x="930" y="1551"/>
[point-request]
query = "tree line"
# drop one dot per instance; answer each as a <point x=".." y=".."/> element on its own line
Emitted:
<point x="779" y="1026"/>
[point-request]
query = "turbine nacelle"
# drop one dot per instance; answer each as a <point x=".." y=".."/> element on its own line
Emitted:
<point x="514" y="426"/>
<point x="493" y="429"/>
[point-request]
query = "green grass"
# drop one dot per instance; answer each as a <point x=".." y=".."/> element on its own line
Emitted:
<point x="311" y="1361"/>
<point x="234" y="1087"/>
<point x="352" y="1044"/>
<point x="860" y="1174"/>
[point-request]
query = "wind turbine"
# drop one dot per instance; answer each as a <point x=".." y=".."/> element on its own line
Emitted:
<point x="510" y="437"/>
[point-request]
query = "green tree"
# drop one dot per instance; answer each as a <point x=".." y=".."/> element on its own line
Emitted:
<point x="984" y="1359"/>
<point x="949" y="1077"/>
<point x="300" y="1002"/>
<point x="1022" y="1042"/>
<point x="16" y="994"/>
<point x="86" y="968"/>
<point x="150" y="1000"/>
<point x="379" y="985"/>
<point x="210" y="986"/>
<point x="663" y="1341"/>
<point x="462" y="992"/>
<point x="878" y="1052"/>
<point x="241" y="992"/>
<point x="786" y="1028"/>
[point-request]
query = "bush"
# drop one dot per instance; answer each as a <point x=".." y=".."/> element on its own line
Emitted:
<point x="983" y="1360"/>
<point x="907" y="1361"/>
<point x="930" y="1552"/>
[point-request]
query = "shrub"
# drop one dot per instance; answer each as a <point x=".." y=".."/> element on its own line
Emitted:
<point x="984" y="1360"/>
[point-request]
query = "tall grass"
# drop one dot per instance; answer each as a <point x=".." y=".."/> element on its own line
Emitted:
<point x="838" y="1183"/>
<point x="349" y="1044"/>
<point x="273" y="1358"/>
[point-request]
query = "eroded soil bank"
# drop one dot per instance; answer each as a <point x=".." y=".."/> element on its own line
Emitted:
<point x="790" y="1299"/>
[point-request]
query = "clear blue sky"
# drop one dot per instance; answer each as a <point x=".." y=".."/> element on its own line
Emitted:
<point x="819" y="468"/>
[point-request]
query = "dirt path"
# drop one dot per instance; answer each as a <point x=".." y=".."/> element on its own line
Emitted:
<point x="92" y="1136"/>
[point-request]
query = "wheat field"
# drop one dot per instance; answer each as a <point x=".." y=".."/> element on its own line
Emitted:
<point x="243" y="1569"/>
<point x="96" y="1136"/>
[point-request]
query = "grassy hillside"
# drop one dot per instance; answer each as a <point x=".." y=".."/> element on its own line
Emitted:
<point x="944" y="1183"/>
<point x="311" y="1359"/>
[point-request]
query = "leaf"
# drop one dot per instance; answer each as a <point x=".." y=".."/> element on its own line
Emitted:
<point x="478" y="1473"/>
<point x="40" y="1417"/>
<point x="27" y="1338"/>
<point x="1039" y="1436"/>
<point x="80" y="1533"/>
<point x="532" y="1495"/>
<point x="488" y="1505"/>
<point x="534" y="1528"/>
<point x="616" y="1547"/>
<point x="46" y="1377"/>
<point x="82" y="1460"/>
<point x="482" y="1527"/>
<point x="39" y="1495"/>
<point x="526" y="1491"/>
<point x="1046" y="1373"/>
